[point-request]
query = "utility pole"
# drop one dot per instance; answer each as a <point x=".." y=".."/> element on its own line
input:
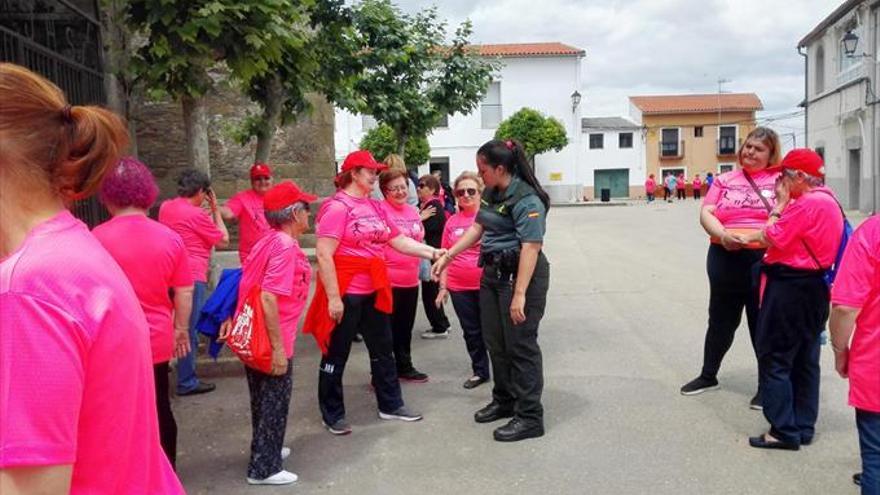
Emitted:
<point x="721" y="82"/>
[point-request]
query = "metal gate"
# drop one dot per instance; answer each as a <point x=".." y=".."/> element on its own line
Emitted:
<point x="61" y="40"/>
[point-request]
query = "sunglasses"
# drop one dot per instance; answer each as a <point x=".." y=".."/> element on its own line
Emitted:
<point x="422" y="185"/>
<point x="470" y="191"/>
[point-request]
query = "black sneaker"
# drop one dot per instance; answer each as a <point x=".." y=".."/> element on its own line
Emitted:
<point x="857" y="479"/>
<point x="413" y="375"/>
<point x="756" y="402"/>
<point x="699" y="385"/>
<point x="340" y="427"/>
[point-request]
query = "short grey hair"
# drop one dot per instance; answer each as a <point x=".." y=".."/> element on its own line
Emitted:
<point x="811" y="180"/>
<point x="278" y="218"/>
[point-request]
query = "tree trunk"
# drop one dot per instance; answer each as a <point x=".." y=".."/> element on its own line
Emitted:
<point x="401" y="145"/>
<point x="117" y="41"/>
<point x="271" y="118"/>
<point x="195" y="122"/>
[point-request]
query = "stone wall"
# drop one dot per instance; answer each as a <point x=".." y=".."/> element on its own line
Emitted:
<point x="302" y="152"/>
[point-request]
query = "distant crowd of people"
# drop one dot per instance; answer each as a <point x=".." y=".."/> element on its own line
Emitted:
<point x="676" y="182"/>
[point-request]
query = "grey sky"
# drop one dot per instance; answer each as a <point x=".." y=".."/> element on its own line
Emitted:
<point x="661" y="46"/>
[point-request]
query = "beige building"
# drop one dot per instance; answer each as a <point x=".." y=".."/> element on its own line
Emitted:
<point x="693" y="134"/>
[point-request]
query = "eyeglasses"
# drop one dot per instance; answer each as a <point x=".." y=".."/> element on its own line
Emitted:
<point x="470" y="191"/>
<point x="422" y="185"/>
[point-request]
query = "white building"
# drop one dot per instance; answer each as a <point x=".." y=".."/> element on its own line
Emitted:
<point x="542" y="76"/>
<point x="612" y="157"/>
<point x="841" y="101"/>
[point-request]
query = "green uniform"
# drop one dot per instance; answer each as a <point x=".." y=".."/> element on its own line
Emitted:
<point x="508" y="219"/>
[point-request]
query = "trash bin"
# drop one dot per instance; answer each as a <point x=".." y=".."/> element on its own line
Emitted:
<point x="606" y="195"/>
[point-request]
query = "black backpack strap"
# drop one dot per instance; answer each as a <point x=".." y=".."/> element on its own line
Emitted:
<point x="758" y="191"/>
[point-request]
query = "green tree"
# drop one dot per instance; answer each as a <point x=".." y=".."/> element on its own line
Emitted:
<point x="412" y="76"/>
<point x="537" y="133"/>
<point x="321" y="58"/>
<point x="381" y="142"/>
<point x="184" y="39"/>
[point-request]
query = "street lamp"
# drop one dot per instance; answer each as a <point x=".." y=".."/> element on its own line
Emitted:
<point x="575" y="100"/>
<point x="850" y="42"/>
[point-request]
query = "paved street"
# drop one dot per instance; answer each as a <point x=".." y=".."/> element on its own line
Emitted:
<point x="623" y="330"/>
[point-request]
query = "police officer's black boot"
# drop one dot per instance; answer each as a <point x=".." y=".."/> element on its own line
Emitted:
<point x="493" y="412"/>
<point x="519" y="429"/>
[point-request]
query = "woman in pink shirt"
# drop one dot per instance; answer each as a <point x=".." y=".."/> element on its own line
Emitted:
<point x="403" y="271"/>
<point x="282" y="271"/>
<point x="736" y="205"/>
<point x="681" y="187"/>
<point x="154" y="260"/>
<point x="78" y="413"/>
<point x="200" y="233"/>
<point x="650" y="188"/>
<point x="461" y="280"/>
<point x="855" y="316"/>
<point x="353" y="293"/>
<point x="803" y="235"/>
<point x="697" y="186"/>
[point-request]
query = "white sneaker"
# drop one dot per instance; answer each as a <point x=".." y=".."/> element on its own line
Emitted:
<point x="285" y="453"/>
<point x="280" y="478"/>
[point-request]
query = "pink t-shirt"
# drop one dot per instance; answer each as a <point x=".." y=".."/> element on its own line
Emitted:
<point x="279" y="266"/>
<point x="858" y="285"/>
<point x="463" y="272"/>
<point x="247" y="206"/>
<point x="362" y="229"/>
<point x="737" y="205"/>
<point x="650" y="186"/>
<point x="197" y="230"/>
<point x="681" y="183"/>
<point x="814" y="219"/>
<point x="403" y="270"/>
<point x="697" y="184"/>
<point x="154" y="259"/>
<point x="76" y="378"/>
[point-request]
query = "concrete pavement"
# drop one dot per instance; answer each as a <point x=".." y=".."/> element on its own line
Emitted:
<point x="623" y="331"/>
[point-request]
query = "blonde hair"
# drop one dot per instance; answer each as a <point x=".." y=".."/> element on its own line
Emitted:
<point x="71" y="147"/>
<point x="395" y="162"/>
<point x="469" y="175"/>
<point x="771" y="141"/>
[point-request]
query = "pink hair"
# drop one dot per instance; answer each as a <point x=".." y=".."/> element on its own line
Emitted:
<point x="129" y="183"/>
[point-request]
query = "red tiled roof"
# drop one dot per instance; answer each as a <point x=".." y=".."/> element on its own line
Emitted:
<point x="724" y="102"/>
<point x="552" y="49"/>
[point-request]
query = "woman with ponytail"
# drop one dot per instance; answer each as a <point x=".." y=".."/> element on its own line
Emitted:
<point x="513" y="290"/>
<point x="79" y="410"/>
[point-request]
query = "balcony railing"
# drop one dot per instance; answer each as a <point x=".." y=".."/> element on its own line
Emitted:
<point x="671" y="150"/>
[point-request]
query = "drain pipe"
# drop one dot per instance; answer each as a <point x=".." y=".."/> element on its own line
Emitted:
<point x="806" y="100"/>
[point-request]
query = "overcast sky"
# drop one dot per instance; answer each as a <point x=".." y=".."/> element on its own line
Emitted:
<point x="636" y="47"/>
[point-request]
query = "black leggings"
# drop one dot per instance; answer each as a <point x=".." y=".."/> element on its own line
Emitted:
<point x="403" y="316"/>
<point x="167" y="424"/>
<point x="733" y="277"/>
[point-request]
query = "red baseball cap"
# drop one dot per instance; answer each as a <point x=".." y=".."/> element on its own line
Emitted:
<point x="284" y="195"/>
<point x="260" y="169"/>
<point x="804" y="160"/>
<point x="361" y="158"/>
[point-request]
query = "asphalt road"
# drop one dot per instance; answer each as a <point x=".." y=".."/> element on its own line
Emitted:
<point x="623" y="331"/>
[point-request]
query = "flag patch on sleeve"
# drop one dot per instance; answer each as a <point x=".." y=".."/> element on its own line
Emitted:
<point x="534" y="214"/>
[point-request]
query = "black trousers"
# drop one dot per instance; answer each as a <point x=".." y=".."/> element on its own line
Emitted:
<point x="167" y="424"/>
<point x="467" y="307"/>
<point x="360" y="316"/>
<point x="406" y="299"/>
<point x="681" y="193"/>
<point x="436" y="316"/>
<point x="793" y="313"/>
<point x="516" y="357"/>
<point x="697" y="193"/>
<point x="270" y="403"/>
<point x="733" y="282"/>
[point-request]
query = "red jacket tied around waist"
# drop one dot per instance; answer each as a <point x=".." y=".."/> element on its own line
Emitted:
<point x="318" y="321"/>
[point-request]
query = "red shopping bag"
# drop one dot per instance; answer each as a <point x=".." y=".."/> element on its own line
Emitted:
<point x="249" y="338"/>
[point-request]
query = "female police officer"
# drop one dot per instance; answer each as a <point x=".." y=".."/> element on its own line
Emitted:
<point x="513" y="290"/>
